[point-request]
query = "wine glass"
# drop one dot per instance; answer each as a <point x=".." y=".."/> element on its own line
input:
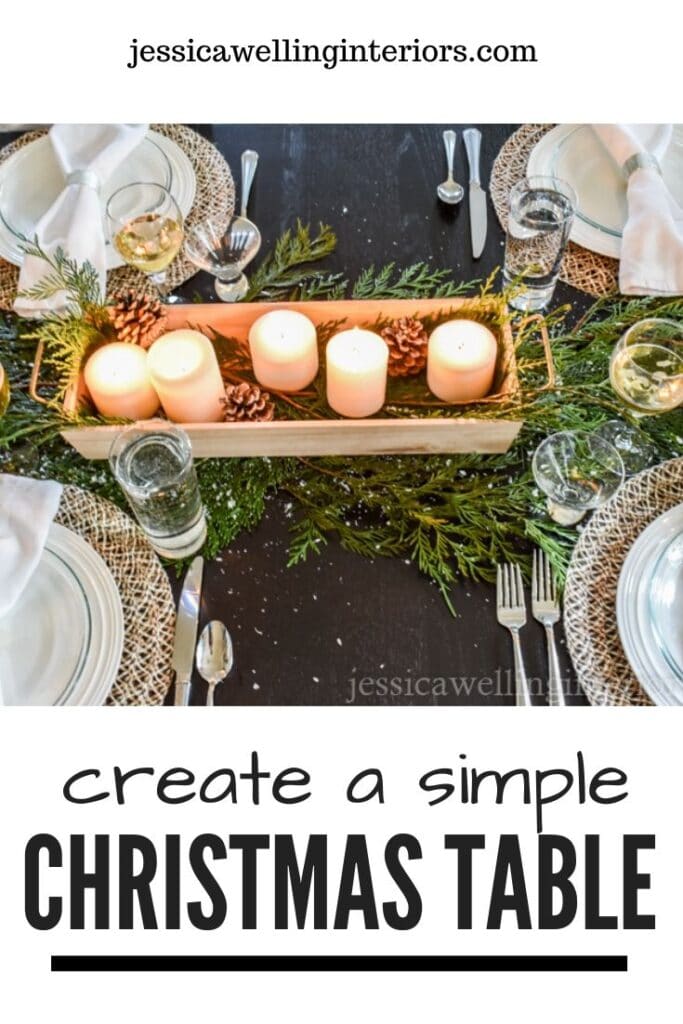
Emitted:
<point x="224" y="252"/>
<point x="635" y="448"/>
<point x="646" y="368"/>
<point x="577" y="471"/>
<point x="146" y="227"/>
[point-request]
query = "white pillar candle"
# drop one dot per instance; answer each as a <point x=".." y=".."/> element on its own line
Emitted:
<point x="184" y="370"/>
<point x="284" y="350"/>
<point x="461" y="361"/>
<point x="356" y="372"/>
<point x="117" y="378"/>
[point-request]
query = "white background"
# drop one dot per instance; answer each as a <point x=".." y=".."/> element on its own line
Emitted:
<point x="66" y="61"/>
<point x="598" y="61"/>
<point x="40" y="749"/>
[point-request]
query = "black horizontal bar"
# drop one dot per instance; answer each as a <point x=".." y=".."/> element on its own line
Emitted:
<point x="339" y="963"/>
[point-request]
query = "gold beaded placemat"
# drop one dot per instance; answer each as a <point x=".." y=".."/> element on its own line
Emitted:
<point x="145" y="672"/>
<point x="588" y="271"/>
<point x="214" y="199"/>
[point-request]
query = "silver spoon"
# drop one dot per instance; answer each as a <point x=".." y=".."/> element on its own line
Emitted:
<point x="449" y="191"/>
<point x="214" y="656"/>
<point x="249" y="165"/>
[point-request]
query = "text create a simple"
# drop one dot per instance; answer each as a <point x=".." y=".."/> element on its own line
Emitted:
<point x="461" y="783"/>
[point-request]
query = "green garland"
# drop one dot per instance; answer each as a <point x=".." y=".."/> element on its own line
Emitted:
<point x="455" y="516"/>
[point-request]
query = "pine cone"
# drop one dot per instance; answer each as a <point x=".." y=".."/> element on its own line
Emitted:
<point x="407" y="341"/>
<point x="246" y="402"/>
<point x="138" y="318"/>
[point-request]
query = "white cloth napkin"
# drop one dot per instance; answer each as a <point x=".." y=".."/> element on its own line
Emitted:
<point x="27" y="508"/>
<point x="87" y="154"/>
<point x="652" y="241"/>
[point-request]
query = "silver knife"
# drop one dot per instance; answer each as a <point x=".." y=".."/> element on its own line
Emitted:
<point x="472" y="140"/>
<point x="187" y="621"/>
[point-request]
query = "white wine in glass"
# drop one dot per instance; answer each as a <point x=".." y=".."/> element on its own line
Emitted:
<point x="646" y="368"/>
<point x="146" y="228"/>
<point x="150" y="242"/>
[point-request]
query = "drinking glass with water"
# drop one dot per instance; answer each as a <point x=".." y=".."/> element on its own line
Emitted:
<point x="153" y="464"/>
<point x="539" y="222"/>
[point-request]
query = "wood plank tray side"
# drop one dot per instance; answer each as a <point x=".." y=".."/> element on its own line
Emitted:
<point x="324" y="437"/>
<point x="374" y="436"/>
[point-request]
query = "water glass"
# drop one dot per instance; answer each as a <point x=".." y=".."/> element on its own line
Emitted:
<point x="539" y="222"/>
<point x="577" y="471"/>
<point x="153" y="464"/>
<point x="646" y="368"/>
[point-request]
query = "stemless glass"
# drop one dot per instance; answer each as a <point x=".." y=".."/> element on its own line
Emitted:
<point x="146" y="228"/>
<point x="539" y="222"/>
<point x="153" y="464"/>
<point x="577" y="471"/>
<point x="646" y="368"/>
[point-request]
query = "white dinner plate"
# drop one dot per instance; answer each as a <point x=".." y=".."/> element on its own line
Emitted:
<point x="62" y="642"/>
<point x="30" y="180"/>
<point x="642" y="576"/>
<point x="573" y="152"/>
<point x="666" y="604"/>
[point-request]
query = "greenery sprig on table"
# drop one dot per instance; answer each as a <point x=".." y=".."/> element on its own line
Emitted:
<point x="454" y="516"/>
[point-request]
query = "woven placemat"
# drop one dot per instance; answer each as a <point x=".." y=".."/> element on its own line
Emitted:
<point x="588" y="271"/>
<point x="590" y="617"/>
<point x="214" y="199"/>
<point x="148" y="610"/>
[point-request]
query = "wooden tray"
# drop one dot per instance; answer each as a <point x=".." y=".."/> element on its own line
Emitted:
<point x="375" y="436"/>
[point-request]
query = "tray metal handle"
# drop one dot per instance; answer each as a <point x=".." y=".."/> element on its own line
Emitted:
<point x="34" y="383"/>
<point x="539" y="320"/>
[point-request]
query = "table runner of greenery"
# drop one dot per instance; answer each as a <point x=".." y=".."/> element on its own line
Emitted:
<point x="453" y="515"/>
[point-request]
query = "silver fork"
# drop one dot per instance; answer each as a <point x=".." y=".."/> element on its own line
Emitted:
<point x="545" y="608"/>
<point x="511" y="612"/>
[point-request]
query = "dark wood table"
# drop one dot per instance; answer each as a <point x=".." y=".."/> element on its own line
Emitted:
<point x="339" y="629"/>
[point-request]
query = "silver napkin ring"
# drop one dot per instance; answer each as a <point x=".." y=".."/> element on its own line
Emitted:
<point x="640" y="161"/>
<point x="87" y="178"/>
